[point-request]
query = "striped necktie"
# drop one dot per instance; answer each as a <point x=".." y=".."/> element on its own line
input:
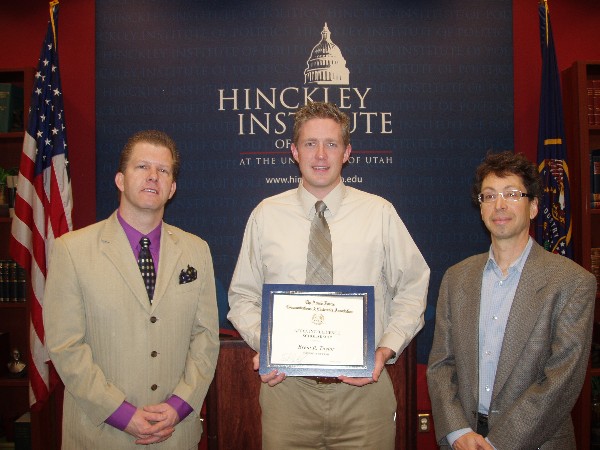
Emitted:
<point x="319" y="266"/>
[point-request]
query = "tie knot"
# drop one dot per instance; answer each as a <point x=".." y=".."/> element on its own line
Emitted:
<point x="320" y="208"/>
<point x="145" y="242"/>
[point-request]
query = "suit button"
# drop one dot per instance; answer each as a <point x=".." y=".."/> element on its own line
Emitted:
<point x="154" y="387"/>
<point x="154" y="354"/>
<point x="153" y="319"/>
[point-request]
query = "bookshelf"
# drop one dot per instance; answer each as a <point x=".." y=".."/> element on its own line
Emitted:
<point x="583" y="136"/>
<point x="14" y="316"/>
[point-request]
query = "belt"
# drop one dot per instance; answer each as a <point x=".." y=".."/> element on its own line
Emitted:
<point x="324" y="380"/>
<point x="482" y="423"/>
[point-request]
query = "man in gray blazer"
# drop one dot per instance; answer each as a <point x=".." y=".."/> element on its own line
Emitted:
<point x="513" y="327"/>
<point x="136" y="356"/>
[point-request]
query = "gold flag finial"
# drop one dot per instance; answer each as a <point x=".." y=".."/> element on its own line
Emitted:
<point x="53" y="3"/>
<point x="546" y="11"/>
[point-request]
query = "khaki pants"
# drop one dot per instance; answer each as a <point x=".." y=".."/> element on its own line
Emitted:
<point x="302" y="414"/>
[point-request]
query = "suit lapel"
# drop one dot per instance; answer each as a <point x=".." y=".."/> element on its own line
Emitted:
<point x="468" y="314"/>
<point x="170" y="254"/>
<point x="117" y="249"/>
<point x="523" y="316"/>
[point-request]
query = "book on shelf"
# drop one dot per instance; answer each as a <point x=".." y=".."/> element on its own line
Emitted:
<point x="3" y="281"/>
<point x="11" y="107"/>
<point x="590" y="103"/>
<point x="595" y="266"/>
<point x="596" y="101"/>
<point x="23" y="432"/>
<point x="11" y="188"/>
<point x="595" y="178"/>
<point x="12" y="282"/>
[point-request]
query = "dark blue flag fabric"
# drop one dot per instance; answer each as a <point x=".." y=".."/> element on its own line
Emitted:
<point x="554" y="218"/>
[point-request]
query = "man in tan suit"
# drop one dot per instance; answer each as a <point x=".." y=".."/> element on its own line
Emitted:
<point x="513" y="328"/>
<point x="136" y="360"/>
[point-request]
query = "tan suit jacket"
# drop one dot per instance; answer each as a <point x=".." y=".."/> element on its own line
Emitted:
<point x="109" y="344"/>
<point x="543" y="359"/>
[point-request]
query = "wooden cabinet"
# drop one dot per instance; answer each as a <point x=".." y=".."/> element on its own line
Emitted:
<point x="583" y="136"/>
<point x="14" y="316"/>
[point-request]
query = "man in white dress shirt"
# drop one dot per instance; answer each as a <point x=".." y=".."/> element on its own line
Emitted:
<point x="370" y="246"/>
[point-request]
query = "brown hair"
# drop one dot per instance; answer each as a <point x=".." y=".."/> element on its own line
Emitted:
<point x="154" y="137"/>
<point x="504" y="164"/>
<point x="321" y="110"/>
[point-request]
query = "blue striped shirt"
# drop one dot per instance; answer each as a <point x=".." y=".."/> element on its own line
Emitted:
<point x="497" y="294"/>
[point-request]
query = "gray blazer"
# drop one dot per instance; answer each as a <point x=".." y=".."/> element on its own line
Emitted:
<point x="109" y="344"/>
<point x="542" y="363"/>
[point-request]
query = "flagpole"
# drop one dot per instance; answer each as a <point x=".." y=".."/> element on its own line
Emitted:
<point x="545" y="2"/>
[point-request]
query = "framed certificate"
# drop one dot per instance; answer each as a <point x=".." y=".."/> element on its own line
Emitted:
<point x="318" y="330"/>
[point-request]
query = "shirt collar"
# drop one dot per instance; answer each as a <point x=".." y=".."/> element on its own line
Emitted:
<point x="134" y="236"/>
<point x="333" y="200"/>
<point x="517" y="265"/>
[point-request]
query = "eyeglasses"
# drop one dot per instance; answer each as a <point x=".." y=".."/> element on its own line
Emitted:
<point x="513" y="195"/>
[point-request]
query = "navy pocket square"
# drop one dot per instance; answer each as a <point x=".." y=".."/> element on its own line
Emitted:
<point x="187" y="276"/>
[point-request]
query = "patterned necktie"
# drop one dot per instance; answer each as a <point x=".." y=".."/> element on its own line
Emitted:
<point x="146" y="265"/>
<point x="319" y="266"/>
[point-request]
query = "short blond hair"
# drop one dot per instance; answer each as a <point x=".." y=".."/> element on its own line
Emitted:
<point x="154" y="137"/>
<point x="321" y="110"/>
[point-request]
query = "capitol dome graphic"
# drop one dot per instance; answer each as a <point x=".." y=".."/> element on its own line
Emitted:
<point x="326" y="64"/>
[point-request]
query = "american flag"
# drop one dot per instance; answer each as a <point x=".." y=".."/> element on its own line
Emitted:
<point x="554" y="217"/>
<point x="43" y="202"/>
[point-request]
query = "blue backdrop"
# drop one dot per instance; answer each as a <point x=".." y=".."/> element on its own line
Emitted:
<point x="429" y="89"/>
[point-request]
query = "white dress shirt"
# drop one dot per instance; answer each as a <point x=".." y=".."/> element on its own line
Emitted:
<point x="370" y="246"/>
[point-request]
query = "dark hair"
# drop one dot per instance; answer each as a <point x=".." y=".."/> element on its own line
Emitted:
<point x="321" y="110"/>
<point x="154" y="137"/>
<point x="504" y="164"/>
